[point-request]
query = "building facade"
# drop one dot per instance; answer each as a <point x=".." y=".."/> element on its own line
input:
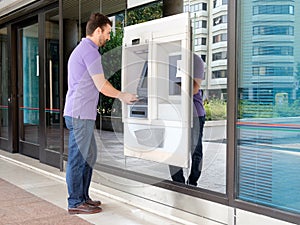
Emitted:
<point x="209" y="19"/>
<point x="251" y="56"/>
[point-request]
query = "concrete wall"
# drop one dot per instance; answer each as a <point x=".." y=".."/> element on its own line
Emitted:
<point x="6" y="6"/>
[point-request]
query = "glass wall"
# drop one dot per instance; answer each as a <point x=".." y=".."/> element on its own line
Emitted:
<point x="109" y="126"/>
<point x="209" y="24"/>
<point x="4" y="84"/>
<point x="268" y="125"/>
<point x="75" y="16"/>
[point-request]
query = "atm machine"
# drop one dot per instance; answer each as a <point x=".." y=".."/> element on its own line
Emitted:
<point x="156" y="66"/>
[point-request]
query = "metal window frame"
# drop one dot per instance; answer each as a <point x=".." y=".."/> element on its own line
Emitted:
<point x="234" y="30"/>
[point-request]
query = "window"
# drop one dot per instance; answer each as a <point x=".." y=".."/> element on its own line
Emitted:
<point x="273" y="30"/>
<point x="267" y="147"/>
<point x="196" y="41"/>
<point x="219" y="20"/>
<point x="273" y="9"/>
<point x="186" y="8"/>
<point x="219" y="56"/>
<point x="272" y="71"/>
<point x="200" y="41"/>
<point x="217" y="3"/>
<point x="219" y="38"/>
<point x="219" y="74"/>
<point x="273" y="50"/>
<point x="195" y="7"/>
<point x="200" y="24"/>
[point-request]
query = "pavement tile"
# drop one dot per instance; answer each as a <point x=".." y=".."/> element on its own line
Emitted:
<point x="21" y="207"/>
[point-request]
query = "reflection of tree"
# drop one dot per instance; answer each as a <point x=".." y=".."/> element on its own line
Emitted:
<point x="112" y="54"/>
<point x="143" y="14"/>
<point x="249" y="109"/>
<point x="111" y="60"/>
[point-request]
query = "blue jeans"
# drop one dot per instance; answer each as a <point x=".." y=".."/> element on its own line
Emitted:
<point x="196" y="154"/>
<point x="82" y="155"/>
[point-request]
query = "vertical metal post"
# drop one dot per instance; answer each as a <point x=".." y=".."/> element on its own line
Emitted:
<point x="79" y="20"/>
<point x="61" y="70"/>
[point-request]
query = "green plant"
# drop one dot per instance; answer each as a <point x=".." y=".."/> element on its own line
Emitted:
<point x="112" y="56"/>
<point x="253" y="109"/>
<point x="249" y="109"/>
<point x="143" y="14"/>
<point x="215" y="109"/>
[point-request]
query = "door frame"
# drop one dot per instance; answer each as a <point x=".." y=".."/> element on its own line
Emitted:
<point x="40" y="152"/>
<point x="25" y="148"/>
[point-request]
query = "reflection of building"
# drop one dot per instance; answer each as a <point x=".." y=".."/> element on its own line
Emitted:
<point x="272" y="57"/>
<point x="209" y="20"/>
<point x="268" y="146"/>
<point x="272" y="64"/>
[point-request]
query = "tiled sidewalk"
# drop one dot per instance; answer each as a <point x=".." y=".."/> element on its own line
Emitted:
<point x="34" y="193"/>
<point x="19" y="207"/>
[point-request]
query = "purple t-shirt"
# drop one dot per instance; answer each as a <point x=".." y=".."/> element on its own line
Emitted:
<point x="82" y="96"/>
<point x="197" y="98"/>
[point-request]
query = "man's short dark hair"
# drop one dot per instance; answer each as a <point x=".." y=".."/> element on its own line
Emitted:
<point x="97" y="20"/>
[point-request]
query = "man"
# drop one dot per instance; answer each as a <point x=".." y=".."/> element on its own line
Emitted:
<point x="85" y="80"/>
<point x="197" y="131"/>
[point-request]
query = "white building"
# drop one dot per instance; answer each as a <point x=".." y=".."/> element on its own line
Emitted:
<point x="209" y="21"/>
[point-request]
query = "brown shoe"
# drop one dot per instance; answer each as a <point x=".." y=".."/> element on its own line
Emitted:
<point x="93" y="203"/>
<point x="84" y="209"/>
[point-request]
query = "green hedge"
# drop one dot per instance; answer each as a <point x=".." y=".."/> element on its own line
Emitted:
<point x="250" y="109"/>
<point x="215" y="109"/>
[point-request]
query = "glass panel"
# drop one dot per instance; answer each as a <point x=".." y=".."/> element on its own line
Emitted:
<point x="72" y="35"/>
<point x="213" y="176"/>
<point x="75" y="16"/>
<point x="52" y="110"/>
<point x="214" y="87"/>
<point x="3" y="84"/>
<point x="268" y="122"/>
<point x="110" y="136"/>
<point x="170" y="73"/>
<point x="29" y="95"/>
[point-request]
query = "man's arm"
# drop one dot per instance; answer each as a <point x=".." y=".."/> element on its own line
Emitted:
<point x="197" y="85"/>
<point x="105" y="87"/>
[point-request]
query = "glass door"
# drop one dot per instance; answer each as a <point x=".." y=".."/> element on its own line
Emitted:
<point x="4" y="93"/>
<point x="51" y="118"/>
<point x="28" y="89"/>
<point x="39" y="124"/>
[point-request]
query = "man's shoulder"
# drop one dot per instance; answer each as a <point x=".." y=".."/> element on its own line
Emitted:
<point x="85" y="51"/>
<point x="198" y="59"/>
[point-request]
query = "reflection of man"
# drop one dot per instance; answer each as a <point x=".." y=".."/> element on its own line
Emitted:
<point x="197" y="131"/>
<point x="85" y="80"/>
